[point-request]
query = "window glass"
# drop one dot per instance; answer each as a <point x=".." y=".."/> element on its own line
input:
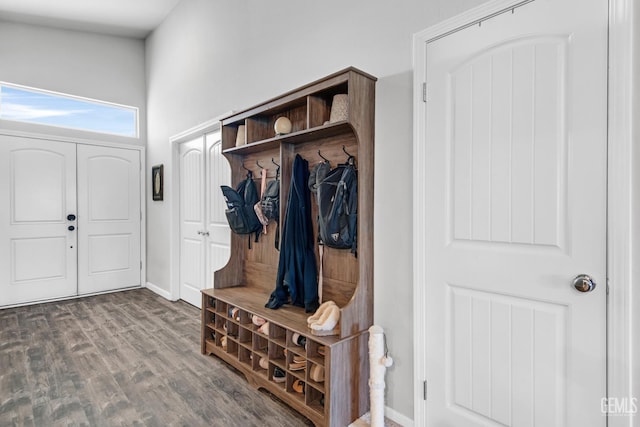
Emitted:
<point x="19" y="103"/>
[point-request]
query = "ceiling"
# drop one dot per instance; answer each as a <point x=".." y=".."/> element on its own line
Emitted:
<point x="128" y="18"/>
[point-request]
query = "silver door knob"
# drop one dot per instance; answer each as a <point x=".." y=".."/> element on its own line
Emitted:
<point x="584" y="283"/>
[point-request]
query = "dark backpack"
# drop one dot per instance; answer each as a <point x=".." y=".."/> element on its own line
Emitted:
<point x="240" y="214"/>
<point x="337" y="197"/>
<point x="270" y="202"/>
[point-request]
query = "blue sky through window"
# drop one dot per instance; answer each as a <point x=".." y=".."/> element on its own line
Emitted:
<point x="33" y="106"/>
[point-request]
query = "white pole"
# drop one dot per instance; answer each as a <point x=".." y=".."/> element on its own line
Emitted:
<point x="379" y="363"/>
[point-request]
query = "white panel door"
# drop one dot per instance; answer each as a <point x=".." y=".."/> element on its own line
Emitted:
<point x="192" y="220"/>
<point x="204" y="232"/>
<point x="109" y="217"/>
<point x="515" y="209"/>
<point x="37" y="192"/>
<point x="218" y="231"/>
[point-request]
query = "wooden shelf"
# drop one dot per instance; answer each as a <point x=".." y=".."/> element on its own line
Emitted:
<point x="308" y="135"/>
<point x="248" y="279"/>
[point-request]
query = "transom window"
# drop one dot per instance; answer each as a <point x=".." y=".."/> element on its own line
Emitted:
<point x="25" y="104"/>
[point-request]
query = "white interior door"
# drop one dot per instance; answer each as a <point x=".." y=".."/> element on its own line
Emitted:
<point x="37" y="192"/>
<point x="515" y="208"/>
<point x="192" y="220"/>
<point x="218" y="173"/>
<point x="204" y="232"/>
<point x="109" y="217"/>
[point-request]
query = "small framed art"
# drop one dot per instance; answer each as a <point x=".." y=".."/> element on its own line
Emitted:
<point x="157" y="182"/>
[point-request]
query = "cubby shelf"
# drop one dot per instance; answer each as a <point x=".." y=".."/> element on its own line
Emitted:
<point x="249" y="277"/>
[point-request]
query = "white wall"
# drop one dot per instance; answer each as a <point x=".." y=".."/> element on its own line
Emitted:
<point x="95" y="66"/>
<point x="211" y="57"/>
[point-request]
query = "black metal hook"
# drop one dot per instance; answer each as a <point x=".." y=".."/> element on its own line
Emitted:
<point x="350" y="158"/>
<point x="277" y="169"/>
<point x="258" y="164"/>
<point x="323" y="157"/>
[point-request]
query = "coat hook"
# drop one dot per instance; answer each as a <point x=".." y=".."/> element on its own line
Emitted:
<point x="274" y="162"/>
<point x="322" y="157"/>
<point x="345" y="151"/>
<point x="248" y="170"/>
<point x="258" y="164"/>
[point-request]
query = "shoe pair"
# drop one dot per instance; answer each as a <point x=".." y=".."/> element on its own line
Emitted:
<point x="264" y="363"/>
<point x="299" y="340"/>
<point x="326" y="318"/>
<point x="258" y="321"/>
<point x="298" y="386"/>
<point x="317" y="373"/>
<point x="279" y="375"/>
<point x="264" y="329"/>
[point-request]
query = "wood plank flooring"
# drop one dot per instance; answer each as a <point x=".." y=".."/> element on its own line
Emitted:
<point x="122" y="359"/>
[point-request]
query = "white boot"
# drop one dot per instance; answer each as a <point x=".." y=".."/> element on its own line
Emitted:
<point x="316" y="316"/>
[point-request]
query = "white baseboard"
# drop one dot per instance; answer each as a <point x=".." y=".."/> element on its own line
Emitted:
<point x="158" y="290"/>
<point x="397" y="417"/>
<point x="391" y="418"/>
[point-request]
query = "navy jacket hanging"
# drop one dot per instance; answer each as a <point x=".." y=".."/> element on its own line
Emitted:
<point x="297" y="271"/>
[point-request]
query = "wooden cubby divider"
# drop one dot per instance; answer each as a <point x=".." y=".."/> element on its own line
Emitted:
<point x="245" y="283"/>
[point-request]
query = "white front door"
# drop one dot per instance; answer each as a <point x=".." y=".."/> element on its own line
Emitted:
<point x="37" y="193"/>
<point x="204" y="233"/>
<point x="515" y="208"/>
<point x="109" y="217"/>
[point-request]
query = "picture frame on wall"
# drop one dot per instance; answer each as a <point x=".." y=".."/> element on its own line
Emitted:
<point x="157" y="182"/>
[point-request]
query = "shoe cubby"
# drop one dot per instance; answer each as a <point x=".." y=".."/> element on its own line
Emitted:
<point x="276" y="355"/>
<point x="287" y="345"/>
<point x="278" y="335"/>
<point x="296" y="387"/>
<point x="314" y="399"/>
<point x="245" y="356"/>
<point x="245" y="337"/>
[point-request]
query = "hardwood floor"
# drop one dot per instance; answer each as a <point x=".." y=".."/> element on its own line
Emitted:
<point x="122" y="359"/>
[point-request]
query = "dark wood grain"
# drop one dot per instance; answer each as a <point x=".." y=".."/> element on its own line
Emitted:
<point x="123" y="359"/>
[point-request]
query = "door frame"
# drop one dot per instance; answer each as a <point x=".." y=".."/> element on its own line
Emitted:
<point x="622" y="381"/>
<point x="202" y="129"/>
<point x="143" y="206"/>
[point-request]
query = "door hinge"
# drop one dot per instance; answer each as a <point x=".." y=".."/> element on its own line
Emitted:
<point x="424" y="390"/>
<point x="424" y="91"/>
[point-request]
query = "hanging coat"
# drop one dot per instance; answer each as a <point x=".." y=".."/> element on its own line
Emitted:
<point x="297" y="278"/>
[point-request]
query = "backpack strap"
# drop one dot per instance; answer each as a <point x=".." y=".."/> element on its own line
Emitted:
<point x="263" y="186"/>
<point x="321" y="253"/>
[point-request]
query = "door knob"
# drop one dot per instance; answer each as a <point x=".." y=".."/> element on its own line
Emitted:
<point x="71" y="217"/>
<point x="205" y="233"/>
<point x="71" y="228"/>
<point x="584" y="283"/>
